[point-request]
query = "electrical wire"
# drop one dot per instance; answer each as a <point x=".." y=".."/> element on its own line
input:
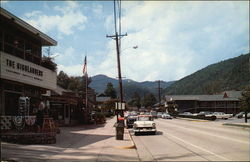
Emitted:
<point x="115" y="17"/>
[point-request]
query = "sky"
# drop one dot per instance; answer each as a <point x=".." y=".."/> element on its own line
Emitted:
<point x="174" y="38"/>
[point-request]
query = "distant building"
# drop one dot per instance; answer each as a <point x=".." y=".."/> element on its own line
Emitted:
<point x="227" y="102"/>
<point x="64" y="106"/>
<point x="22" y="72"/>
<point x="100" y="99"/>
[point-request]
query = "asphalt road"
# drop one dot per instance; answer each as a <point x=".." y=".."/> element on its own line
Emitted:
<point x="183" y="140"/>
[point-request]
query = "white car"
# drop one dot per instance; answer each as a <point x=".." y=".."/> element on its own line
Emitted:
<point x="144" y="123"/>
<point x="166" y="116"/>
<point x="221" y="115"/>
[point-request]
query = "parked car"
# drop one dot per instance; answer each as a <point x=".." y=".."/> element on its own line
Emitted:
<point x="221" y="115"/>
<point x="144" y="123"/>
<point x="205" y="113"/>
<point x="130" y="121"/>
<point x="240" y="114"/>
<point x="154" y="114"/>
<point x="186" y="114"/>
<point x="248" y="115"/>
<point x="166" y="116"/>
<point x="159" y="114"/>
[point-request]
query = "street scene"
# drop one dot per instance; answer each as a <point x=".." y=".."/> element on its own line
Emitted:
<point x="124" y="81"/>
<point x="178" y="139"/>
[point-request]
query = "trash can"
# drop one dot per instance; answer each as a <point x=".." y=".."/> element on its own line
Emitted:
<point x="119" y="130"/>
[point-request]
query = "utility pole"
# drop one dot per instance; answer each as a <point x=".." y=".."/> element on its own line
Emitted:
<point x="116" y="37"/>
<point x="159" y="91"/>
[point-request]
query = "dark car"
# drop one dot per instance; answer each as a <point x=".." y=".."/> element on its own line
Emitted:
<point x="130" y="121"/>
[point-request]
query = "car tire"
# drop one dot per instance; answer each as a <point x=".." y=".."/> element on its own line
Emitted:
<point x="136" y="133"/>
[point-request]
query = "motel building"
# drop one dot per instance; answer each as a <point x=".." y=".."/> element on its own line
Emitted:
<point x="22" y="70"/>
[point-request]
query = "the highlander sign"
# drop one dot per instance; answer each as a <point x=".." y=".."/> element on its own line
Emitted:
<point x="16" y="69"/>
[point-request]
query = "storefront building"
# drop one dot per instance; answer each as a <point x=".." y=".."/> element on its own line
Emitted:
<point x="22" y="72"/>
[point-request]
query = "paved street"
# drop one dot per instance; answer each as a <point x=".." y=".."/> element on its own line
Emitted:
<point x="183" y="140"/>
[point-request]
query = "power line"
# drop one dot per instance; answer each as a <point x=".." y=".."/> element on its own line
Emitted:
<point x="115" y="17"/>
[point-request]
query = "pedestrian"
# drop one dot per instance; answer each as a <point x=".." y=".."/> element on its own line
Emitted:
<point x="40" y="116"/>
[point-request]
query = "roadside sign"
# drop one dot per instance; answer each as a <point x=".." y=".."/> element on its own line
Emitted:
<point x="120" y="105"/>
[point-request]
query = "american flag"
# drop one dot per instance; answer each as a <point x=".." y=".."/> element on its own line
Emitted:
<point x="84" y="70"/>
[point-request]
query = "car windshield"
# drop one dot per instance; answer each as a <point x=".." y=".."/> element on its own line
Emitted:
<point x="144" y="118"/>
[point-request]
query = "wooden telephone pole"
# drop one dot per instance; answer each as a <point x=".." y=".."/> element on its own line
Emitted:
<point x="117" y="37"/>
<point x="159" y="91"/>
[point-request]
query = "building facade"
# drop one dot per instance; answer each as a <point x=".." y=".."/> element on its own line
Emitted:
<point x="22" y="70"/>
<point x="227" y="102"/>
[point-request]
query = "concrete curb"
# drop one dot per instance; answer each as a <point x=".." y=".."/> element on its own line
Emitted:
<point x="130" y="146"/>
<point x="237" y="125"/>
<point x="194" y="120"/>
<point x="134" y="146"/>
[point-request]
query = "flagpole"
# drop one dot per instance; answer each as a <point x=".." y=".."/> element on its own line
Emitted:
<point x="86" y="77"/>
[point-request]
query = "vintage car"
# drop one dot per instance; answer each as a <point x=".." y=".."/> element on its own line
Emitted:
<point x="220" y="115"/>
<point x="144" y="123"/>
<point x="130" y="120"/>
<point x="166" y="116"/>
<point x="154" y="114"/>
<point x="159" y="114"/>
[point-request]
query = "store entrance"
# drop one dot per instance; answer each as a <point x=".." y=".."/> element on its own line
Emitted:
<point x="11" y="103"/>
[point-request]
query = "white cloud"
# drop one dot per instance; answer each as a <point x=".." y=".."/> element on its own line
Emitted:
<point x="176" y="38"/>
<point x="33" y="14"/>
<point x="97" y="10"/>
<point x="74" y="70"/>
<point x="69" y="18"/>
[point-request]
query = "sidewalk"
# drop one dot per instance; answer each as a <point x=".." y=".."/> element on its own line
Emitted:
<point x="244" y="125"/>
<point x="81" y="143"/>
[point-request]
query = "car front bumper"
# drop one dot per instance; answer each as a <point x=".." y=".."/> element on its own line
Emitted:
<point x="145" y="130"/>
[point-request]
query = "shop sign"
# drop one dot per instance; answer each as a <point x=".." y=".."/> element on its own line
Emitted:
<point x="17" y="69"/>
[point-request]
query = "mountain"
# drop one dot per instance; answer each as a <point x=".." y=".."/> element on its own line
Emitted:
<point x="231" y="74"/>
<point x="99" y="83"/>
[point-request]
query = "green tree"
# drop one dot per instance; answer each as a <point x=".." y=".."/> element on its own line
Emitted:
<point x="110" y="91"/>
<point x="74" y="84"/>
<point x="63" y="80"/>
<point x="136" y="100"/>
<point x="245" y="101"/>
<point x="149" y="100"/>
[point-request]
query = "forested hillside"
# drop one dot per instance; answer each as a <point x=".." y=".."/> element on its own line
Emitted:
<point x="99" y="83"/>
<point x="231" y="74"/>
